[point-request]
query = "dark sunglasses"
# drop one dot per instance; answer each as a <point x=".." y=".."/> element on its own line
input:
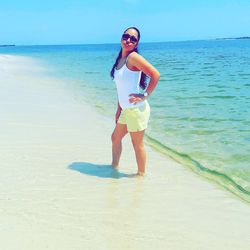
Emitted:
<point x="133" y="39"/>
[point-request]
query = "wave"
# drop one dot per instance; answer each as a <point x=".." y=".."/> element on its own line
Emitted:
<point x="220" y="178"/>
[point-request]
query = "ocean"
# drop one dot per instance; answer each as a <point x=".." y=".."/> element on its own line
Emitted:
<point x="200" y="109"/>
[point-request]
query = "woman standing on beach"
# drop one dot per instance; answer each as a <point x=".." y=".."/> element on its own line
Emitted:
<point x="133" y="111"/>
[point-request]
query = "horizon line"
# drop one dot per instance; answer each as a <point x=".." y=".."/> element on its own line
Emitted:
<point x="111" y="43"/>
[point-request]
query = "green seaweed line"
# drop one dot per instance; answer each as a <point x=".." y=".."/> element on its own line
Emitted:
<point x="213" y="175"/>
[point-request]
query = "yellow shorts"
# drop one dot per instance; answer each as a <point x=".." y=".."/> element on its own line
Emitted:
<point x="136" y="119"/>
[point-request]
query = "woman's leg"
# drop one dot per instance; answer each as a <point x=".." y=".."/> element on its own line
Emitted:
<point x="119" y="132"/>
<point x="140" y="153"/>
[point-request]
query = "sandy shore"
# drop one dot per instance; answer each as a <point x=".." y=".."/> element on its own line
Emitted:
<point x="57" y="190"/>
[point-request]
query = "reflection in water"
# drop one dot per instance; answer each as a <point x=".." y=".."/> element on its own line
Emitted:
<point x="122" y="200"/>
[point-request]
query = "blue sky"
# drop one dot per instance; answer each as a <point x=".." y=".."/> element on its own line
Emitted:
<point x="25" y="22"/>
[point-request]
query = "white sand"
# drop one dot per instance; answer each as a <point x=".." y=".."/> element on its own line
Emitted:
<point x="53" y="190"/>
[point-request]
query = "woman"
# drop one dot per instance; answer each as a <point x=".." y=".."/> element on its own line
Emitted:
<point x="132" y="115"/>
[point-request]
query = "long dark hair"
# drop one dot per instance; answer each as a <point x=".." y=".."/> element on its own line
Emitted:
<point x="143" y="80"/>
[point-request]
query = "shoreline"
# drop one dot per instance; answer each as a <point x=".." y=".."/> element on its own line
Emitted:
<point x="221" y="179"/>
<point x="58" y="190"/>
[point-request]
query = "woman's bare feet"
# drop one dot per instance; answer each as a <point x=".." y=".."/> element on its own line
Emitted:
<point x="140" y="173"/>
<point x="115" y="166"/>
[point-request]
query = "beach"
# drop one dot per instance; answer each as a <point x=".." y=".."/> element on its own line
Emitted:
<point x="58" y="190"/>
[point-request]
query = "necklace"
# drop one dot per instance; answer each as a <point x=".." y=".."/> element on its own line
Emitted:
<point x="123" y="58"/>
<point x="121" y="62"/>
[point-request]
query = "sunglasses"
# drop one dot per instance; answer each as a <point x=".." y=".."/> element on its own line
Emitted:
<point x="133" y="39"/>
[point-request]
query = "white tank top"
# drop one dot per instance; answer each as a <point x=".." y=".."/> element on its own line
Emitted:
<point x="127" y="82"/>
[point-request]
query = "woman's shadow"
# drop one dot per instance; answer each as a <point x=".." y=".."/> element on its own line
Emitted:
<point x="99" y="170"/>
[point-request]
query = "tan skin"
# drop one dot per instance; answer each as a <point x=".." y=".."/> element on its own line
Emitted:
<point x="135" y="62"/>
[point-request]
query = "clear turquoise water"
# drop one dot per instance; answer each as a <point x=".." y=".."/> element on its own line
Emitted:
<point x="200" y="109"/>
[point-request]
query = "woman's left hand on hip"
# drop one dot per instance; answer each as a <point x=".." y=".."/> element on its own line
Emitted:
<point x="135" y="98"/>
